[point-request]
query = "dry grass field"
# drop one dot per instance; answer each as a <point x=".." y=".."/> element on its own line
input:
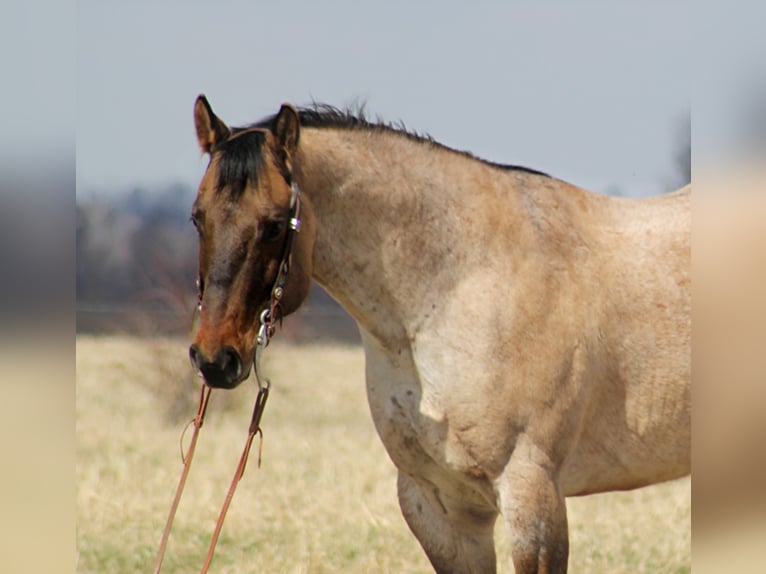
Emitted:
<point x="324" y="500"/>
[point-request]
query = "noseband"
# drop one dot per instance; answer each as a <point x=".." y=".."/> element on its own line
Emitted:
<point x="268" y="319"/>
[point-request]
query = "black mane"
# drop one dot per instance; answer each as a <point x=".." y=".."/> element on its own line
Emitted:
<point x="242" y="159"/>
<point x="320" y="115"/>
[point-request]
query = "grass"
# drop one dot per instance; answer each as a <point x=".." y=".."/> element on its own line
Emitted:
<point x="325" y="498"/>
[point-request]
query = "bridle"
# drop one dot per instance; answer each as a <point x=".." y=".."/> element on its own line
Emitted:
<point x="268" y="321"/>
<point x="273" y="312"/>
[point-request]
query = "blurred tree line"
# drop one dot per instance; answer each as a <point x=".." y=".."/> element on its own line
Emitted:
<point x="136" y="261"/>
<point x="682" y="159"/>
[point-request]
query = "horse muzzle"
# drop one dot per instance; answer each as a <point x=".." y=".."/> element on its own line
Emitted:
<point x="225" y="370"/>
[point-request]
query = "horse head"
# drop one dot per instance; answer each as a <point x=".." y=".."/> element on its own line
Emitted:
<point x="244" y="213"/>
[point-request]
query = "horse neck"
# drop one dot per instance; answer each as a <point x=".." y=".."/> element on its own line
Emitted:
<point x="394" y="218"/>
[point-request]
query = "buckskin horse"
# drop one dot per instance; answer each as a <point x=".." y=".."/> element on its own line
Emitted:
<point x="525" y="340"/>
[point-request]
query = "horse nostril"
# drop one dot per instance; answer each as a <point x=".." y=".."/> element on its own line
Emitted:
<point x="224" y="371"/>
<point x="195" y="358"/>
<point x="230" y="363"/>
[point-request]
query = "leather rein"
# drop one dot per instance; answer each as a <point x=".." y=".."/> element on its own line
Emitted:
<point x="268" y="319"/>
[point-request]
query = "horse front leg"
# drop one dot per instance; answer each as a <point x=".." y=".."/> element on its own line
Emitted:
<point x="455" y="540"/>
<point x="534" y="511"/>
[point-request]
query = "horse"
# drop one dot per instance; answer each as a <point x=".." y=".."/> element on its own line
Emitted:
<point x="525" y="340"/>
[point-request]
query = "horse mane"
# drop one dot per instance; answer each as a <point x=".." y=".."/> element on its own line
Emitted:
<point x="319" y="115"/>
<point x="241" y="159"/>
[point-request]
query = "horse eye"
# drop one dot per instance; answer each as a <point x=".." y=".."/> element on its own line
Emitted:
<point x="196" y="224"/>
<point x="272" y="230"/>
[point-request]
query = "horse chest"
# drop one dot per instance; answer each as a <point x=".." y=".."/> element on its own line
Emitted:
<point x="411" y="426"/>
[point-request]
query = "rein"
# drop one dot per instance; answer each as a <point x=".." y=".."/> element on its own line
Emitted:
<point x="268" y="320"/>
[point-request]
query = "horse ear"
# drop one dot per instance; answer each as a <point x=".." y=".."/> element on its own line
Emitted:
<point x="210" y="129"/>
<point x="286" y="130"/>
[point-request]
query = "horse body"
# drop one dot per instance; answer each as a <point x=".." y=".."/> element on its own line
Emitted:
<point x="525" y="340"/>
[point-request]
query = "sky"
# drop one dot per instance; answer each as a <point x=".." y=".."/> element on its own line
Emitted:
<point x="592" y="92"/>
